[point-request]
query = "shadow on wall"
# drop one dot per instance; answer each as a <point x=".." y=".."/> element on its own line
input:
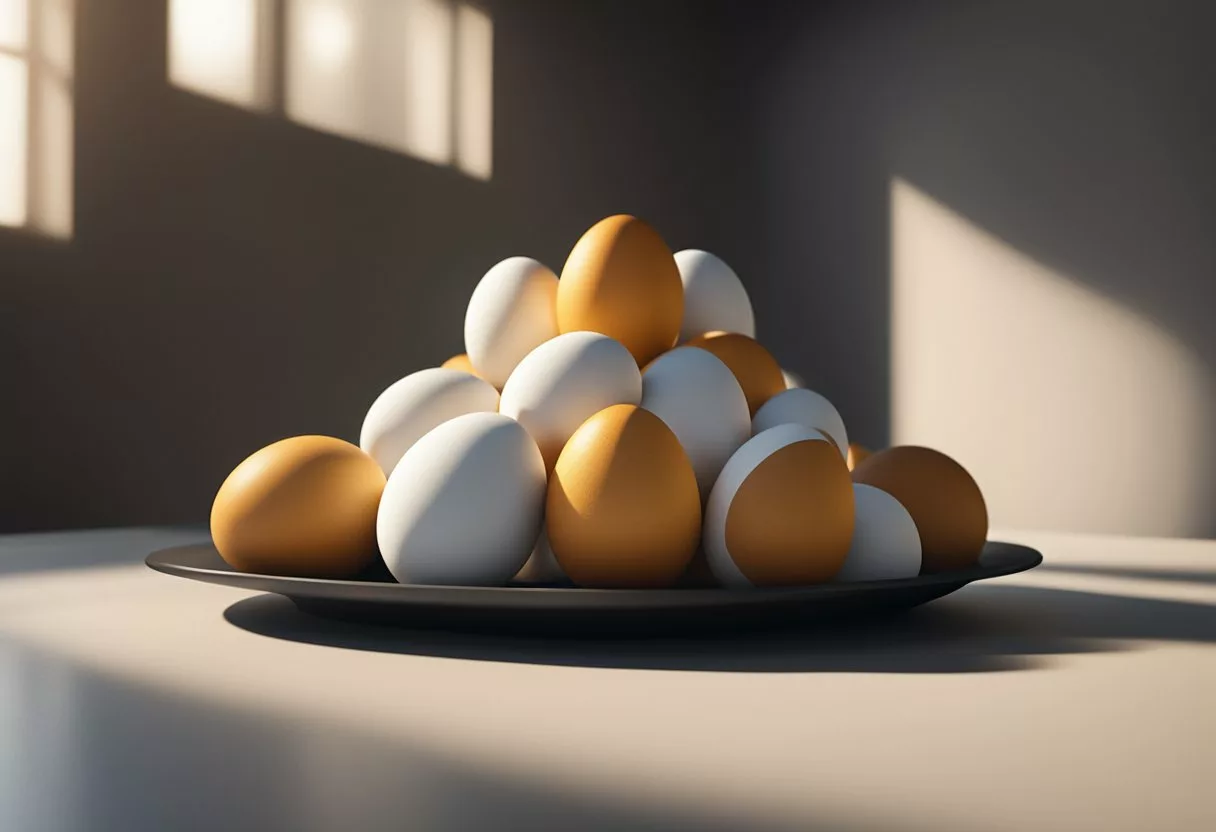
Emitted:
<point x="235" y="278"/>
<point x="1052" y="183"/>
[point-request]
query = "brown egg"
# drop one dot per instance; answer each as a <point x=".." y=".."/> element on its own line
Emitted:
<point x="781" y="513"/>
<point x="858" y="454"/>
<point x="461" y="362"/>
<point x="621" y="280"/>
<point x="757" y="371"/>
<point x="623" y="509"/>
<point x="302" y="506"/>
<point x="943" y="499"/>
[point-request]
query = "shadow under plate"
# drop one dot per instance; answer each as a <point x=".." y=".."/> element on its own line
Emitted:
<point x="573" y="612"/>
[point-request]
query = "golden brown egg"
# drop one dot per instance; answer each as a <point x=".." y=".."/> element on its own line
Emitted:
<point x="461" y="362"/>
<point x="781" y="512"/>
<point x="757" y="371"/>
<point x="302" y="506"/>
<point x="623" y="509"/>
<point x="621" y="280"/>
<point x="942" y="498"/>
<point x="857" y="455"/>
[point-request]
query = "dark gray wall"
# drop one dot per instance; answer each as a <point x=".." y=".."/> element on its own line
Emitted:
<point x="1081" y="132"/>
<point x="235" y="279"/>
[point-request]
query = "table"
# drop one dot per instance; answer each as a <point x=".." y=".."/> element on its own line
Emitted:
<point x="1077" y="696"/>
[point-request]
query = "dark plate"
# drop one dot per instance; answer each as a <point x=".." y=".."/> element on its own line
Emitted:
<point x="568" y="611"/>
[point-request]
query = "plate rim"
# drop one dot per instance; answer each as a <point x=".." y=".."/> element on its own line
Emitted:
<point x="161" y="561"/>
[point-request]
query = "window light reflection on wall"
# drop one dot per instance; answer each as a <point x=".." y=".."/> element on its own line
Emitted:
<point x="220" y="48"/>
<point x="36" y="115"/>
<point x="1028" y="375"/>
<point x="414" y="76"/>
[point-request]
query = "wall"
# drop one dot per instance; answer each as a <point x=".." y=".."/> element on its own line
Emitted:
<point x="235" y="279"/>
<point x="1046" y="174"/>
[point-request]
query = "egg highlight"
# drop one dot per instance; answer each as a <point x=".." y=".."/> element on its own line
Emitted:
<point x="512" y="311"/>
<point x="856" y="455"/>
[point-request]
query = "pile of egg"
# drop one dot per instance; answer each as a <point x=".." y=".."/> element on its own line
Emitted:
<point x="617" y="427"/>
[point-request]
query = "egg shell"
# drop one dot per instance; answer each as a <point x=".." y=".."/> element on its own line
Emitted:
<point x="944" y="500"/>
<point x="566" y="380"/>
<point x="623" y="508"/>
<point x="781" y="512"/>
<point x="303" y="506"/>
<point x="542" y="567"/>
<point x="792" y="379"/>
<point x="856" y="455"/>
<point x="461" y="362"/>
<point x="621" y="280"/>
<point x="714" y="297"/>
<point x="800" y="406"/>
<point x="698" y="397"/>
<point x="757" y="372"/>
<point x="412" y="406"/>
<point x="886" y="545"/>
<point x="513" y="311"/>
<point x="464" y="504"/>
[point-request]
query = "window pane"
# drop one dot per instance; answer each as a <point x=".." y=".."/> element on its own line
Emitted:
<point x="475" y="92"/>
<point x="377" y="72"/>
<point x="219" y="48"/>
<point x="427" y="48"/>
<point x="14" y="23"/>
<point x="52" y="174"/>
<point x="55" y="35"/>
<point x="13" y="128"/>
<point x="323" y="50"/>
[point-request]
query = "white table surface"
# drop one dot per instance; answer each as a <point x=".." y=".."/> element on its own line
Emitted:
<point x="1078" y="696"/>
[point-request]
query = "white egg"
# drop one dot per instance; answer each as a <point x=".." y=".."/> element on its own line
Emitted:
<point x="792" y="380"/>
<point x="564" y="382"/>
<point x="698" y="397"/>
<point x="512" y="311"/>
<point x="542" y="566"/>
<point x="464" y="505"/>
<point x="411" y="407"/>
<point x="799" y="406"/>
<point x="714" y="297"/>
<point x="885" y="544"/>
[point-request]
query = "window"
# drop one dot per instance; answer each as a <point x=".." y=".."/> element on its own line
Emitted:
<point x="414" y="76"/>
<point x="36" y="56"/>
